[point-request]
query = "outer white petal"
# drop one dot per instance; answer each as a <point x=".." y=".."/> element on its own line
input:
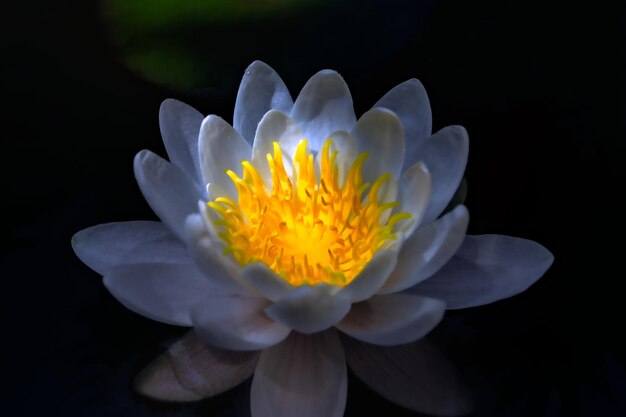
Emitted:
<point x="445" y="154"/>
<point x="237" y="323"/>
<point x="379" y="132"/>
<point x="310" y="309"/>
<point x="416" y="375"/>
<point x="410" y="102"/>
<point x="112" y="244"/>
<point x="427" y="250"/>
<point x="485" y="269"/>
<point x="275" y="127"/>
<point x="221" y="148"/>
<point x="414" y="196"/>
<point x="271" y="286"/>
<point x="393" y="319"/>
<point x="162" y="292"/>
<point x="209" y="259"/>
<point x="261" y="90"/>
<point x="180" y="126"/>
<point x="323" y="106"/>
<point x="371" y="278"/>
<point x="304" y="376"/>
<point x="167" y="190"/>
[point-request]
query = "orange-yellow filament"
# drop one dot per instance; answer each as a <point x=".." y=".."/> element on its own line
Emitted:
<point x="308" y="230"/>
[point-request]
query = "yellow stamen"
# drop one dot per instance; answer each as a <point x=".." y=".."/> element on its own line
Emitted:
<point x="307" y="230"/>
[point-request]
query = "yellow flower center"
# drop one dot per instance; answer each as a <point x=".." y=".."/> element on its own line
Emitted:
<point x="307" y="230"/>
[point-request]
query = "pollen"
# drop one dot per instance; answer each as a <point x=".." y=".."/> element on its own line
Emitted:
<point x="308" y="226"/>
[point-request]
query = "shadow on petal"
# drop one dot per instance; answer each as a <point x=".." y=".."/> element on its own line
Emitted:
<point x="191" y="370"/>
<point x="416" y="376"/>
<point x="305" y="376"/>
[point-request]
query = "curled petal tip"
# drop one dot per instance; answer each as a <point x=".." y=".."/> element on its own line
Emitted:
<point x="461" y="129"/>
<point x="168" y="102"/>
<point x="139" y="156"/>
<point x="328" y="72"/>
<point x="257" y="64"/>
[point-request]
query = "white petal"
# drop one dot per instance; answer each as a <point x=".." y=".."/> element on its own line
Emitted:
<point x="214" y="191"/>
<point x="323" y="106"/>
<point x="271" y="286"/>
<point x="113" y="244"/>
<point x="416" y="375"/>
<point x="445" y="154"/>
<point x="427" y="250"/>
<point x="345" y="144"/>
<point x="410" y="102"/>
<point x="221" y="148"/>
<point x="209" y="217"/>
<point x="162" y="292"/>
<point x="261" y="90"/>
<point x="393" y="319"/>
<point x="180" y="126"/>
<point x="208" y="257"/>
<point x="414" y="196"/>
<point x="347" y="150"/>
<point x="201" y="227"/>
<point x="388" y="193"/>
<point x="487" y="268"/>
<point x="379" y="132"/>
<point x="275" y="127"/>
<point x="237" y="323"/>
<point x="304" y="376"/>
<point x="310" y="309"/>
<point x="371" y="278"/>
<point x="167" y="190"/>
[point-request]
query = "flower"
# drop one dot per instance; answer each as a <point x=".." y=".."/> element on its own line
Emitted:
<point x="298" y="220"/>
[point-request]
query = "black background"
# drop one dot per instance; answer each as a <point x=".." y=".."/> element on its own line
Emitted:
<point x="538" y="85"/>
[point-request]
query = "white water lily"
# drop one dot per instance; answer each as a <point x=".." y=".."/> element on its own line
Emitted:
<point x="298" y="221"/>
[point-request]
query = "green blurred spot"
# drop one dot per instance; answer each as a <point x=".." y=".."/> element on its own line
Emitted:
<point x="191" y="44"/>
<point x="205" y="45"/>
<point x="165" y="64"/>
<point x="138" y="18"/>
